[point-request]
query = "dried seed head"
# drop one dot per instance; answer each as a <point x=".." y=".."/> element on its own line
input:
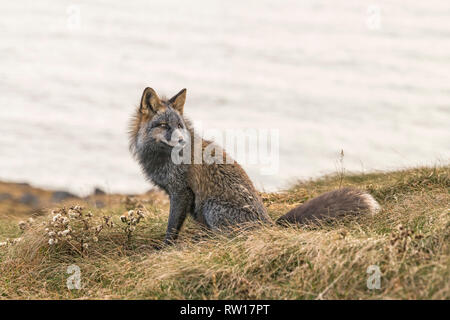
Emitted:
<point x="141" y="213"/>
<point x="22" y="225"/>
<point x="73" y="214"/>
<point x="17" y="240"/>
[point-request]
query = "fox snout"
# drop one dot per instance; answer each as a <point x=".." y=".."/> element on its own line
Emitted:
<point x="176" y="138"/>
<point x="179" y="138"/>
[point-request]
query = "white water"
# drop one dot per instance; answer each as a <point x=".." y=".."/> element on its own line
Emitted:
<point x="317" y="70"/>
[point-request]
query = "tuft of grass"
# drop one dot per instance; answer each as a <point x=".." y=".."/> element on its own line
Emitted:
<point x="408" y="240"/>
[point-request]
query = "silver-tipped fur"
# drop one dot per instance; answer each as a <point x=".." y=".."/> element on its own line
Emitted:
<point x="333" y="204"/>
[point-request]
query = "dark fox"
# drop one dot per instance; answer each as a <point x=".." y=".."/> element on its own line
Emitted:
<point x="217" y="195"/>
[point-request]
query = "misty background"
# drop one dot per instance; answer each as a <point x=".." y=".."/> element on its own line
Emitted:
<point x="371" y="78"/>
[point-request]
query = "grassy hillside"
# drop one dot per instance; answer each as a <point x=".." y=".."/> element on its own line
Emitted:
<point x="408" y="240"/>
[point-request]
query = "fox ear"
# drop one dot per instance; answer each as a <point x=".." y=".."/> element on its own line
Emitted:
<point x="178" y="101"/>
<point x="150" y="102"/>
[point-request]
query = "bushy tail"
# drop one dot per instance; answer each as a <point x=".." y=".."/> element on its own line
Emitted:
<point x="332" y="204"/>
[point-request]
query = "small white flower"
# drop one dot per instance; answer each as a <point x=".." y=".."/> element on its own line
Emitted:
<point x="73" y="214"/>
<point x="51" y="234"/>
<point x="95" y="239"/>
<point x="22" y="225"/>
<point x="85" y="245"/>
<point x="141" y="213"/>
<point x="51" y="241"/>
<point x="3" y="244"/>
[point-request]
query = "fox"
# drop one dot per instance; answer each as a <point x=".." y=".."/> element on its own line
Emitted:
<point x="215" y="194"/>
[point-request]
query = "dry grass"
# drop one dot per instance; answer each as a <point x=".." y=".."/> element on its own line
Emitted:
<point x="409" y="241"/>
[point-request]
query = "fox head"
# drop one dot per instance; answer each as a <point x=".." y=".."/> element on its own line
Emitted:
<point x="158" y="123"/>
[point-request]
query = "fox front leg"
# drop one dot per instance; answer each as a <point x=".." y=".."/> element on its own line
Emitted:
<point x="180" y="204"/>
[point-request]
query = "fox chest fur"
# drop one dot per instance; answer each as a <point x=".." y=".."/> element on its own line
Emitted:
<point x="162" y="172"/>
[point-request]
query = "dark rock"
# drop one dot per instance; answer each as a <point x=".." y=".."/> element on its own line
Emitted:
<point x="23" y="184"/>
<point x="5" y="196"/>
<point x="99" y="192"/>
<point x="59" y="196"/>
<point x="29" y="199"/>
<point x="99" y="204"/>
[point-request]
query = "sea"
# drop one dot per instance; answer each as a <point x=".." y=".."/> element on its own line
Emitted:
<point x="354" y="85"/>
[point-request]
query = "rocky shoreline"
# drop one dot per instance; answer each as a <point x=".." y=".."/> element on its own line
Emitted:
<point x="22" y="199"/>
